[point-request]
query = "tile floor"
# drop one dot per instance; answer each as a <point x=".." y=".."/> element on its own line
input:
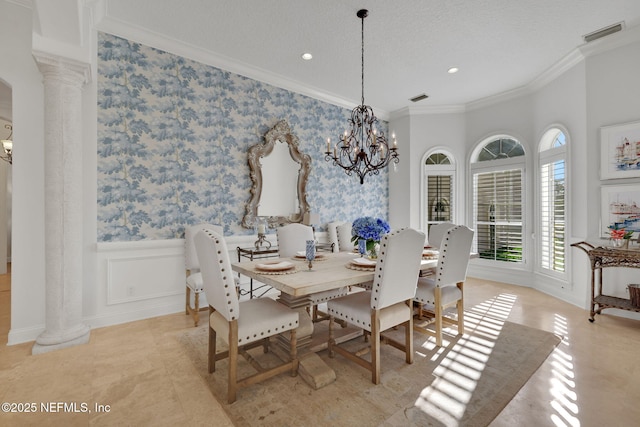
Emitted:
<point x="591" y="379"/>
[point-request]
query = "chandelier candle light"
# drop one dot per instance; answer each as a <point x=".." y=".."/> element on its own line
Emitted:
<point x="363" y="149"/>
<point x="7" y="146"/>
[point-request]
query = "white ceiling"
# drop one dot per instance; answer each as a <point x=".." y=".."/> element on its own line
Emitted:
<point x="499" y="45"/>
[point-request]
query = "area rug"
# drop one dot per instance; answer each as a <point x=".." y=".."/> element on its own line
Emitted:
<point x="467" y="382"/>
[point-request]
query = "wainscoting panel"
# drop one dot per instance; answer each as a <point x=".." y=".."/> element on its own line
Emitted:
<point x="143" y="277"/>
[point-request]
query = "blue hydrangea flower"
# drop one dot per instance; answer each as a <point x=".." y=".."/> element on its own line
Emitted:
<point x="369" y="228"/>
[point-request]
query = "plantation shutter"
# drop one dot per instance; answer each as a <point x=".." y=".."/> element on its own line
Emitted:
<point x="439" y="197"/>
<point x="498" y="214"/>
<point x="552" y="206"/>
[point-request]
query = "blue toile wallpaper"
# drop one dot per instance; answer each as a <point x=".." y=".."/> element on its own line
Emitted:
<point x="173" y="136"/>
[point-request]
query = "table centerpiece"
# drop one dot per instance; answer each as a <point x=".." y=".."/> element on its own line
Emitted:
<point x="370" y="230"/>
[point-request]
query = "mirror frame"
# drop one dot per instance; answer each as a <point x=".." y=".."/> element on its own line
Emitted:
<point x="280" y="132"/>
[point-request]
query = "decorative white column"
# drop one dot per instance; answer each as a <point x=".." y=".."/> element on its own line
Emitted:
<point x="63" y="82"/>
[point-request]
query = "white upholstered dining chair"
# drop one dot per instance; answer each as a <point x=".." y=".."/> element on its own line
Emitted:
<point x="446" y="287"/>
<point x="437" y="232"/>
<point x="192" y="267"/>
<point x="344" y="237"/>
<point x="332" y="232"/>
<point x="293" y="238"/>
<point x="389" y="303"/>
<point x="242" y="325"/>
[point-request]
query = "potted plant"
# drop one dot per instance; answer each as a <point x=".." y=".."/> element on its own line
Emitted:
<point x="619" y="236"/>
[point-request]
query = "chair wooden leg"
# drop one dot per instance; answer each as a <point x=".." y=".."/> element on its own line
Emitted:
<point x="212" y="350"/>
<point x="331" y="340"/>
<point x="196" y="309"/>
<point x="375" y="349"/>
<point x="187" y="304"/>
<point x="233" y="362"/>
<point x="408" y="336"/>
<point x="294" y="353"/>
<point x="460" y="307"/>
<point x="438" y="315"/>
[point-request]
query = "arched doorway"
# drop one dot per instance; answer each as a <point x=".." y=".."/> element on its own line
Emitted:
<point x="6" y="127"/>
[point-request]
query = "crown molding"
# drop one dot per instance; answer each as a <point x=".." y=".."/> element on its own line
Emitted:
<point x="427" y="110"/>
<point x="498" y="98"/>
<point x="556" y="70"/>
<point x="141" y="35"/>
<point x="569" y="61"/>
<point x="159" y="41"/>
<point x="627" y="36"/>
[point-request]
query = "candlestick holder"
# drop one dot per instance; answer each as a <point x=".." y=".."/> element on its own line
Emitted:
<point x="261" y="228"/>
<point x="262" y="241"/>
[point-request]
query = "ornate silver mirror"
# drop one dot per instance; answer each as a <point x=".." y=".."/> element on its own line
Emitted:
<point x="279" y="173"/>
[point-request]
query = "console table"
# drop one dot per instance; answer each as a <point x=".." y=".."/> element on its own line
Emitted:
<point x="601" y="258"/>
<point x="253" y="254"/>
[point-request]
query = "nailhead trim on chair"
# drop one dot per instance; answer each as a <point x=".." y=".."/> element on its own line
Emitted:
<point x="224" y="277"/>
<point x="341" y="315"/>
<point x="383" y="245"/>
<point x="269" y="331"/>
<point x="443" y="256"/>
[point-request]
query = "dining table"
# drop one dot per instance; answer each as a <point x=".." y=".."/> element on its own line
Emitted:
<point x="297" y="282"/>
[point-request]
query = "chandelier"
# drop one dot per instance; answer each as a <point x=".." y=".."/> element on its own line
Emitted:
<point x="363" y="149"/>
<point x="7" y="146"/>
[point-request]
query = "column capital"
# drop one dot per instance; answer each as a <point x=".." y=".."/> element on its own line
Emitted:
<point x="73" y="69"/>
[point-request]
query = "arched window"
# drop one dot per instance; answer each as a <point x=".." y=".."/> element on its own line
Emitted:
<point x="553" y="209"/>
<point x="497" y="167"/>
<point x="438" y="172"/>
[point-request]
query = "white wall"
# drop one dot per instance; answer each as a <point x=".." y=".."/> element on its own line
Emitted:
<point x="425" y="131"/>
<point x="19" y="71"/>
<point x="400" y="208"/>
<point x="562" y="102"/>
<point x="612" y="97"/>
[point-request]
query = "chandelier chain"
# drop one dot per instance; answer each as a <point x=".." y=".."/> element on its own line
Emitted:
<point x="362" y="57"/>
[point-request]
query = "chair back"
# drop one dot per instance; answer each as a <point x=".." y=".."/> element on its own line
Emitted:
<point x="190" y="255"/>
<point x="396" y="273"/>
<point x="437" y="232"/>
<point x="332" y="231"/>
<point x="293" y="238"/>
<point x="217" y="276"/>
<point x="344" y="237"/>
<point x="454" y="256"/>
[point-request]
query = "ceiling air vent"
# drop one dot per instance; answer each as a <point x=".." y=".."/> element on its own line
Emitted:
<point x="419" y="97"/>
<point x="603" y="32"/>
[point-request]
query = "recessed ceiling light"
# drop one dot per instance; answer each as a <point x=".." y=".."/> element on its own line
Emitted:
<point x="452" y="70"/>
<point x="307" y="56"/>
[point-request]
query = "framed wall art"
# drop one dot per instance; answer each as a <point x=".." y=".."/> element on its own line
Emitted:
<point x="620" y="151"/>
<point x="620" y="207"/>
